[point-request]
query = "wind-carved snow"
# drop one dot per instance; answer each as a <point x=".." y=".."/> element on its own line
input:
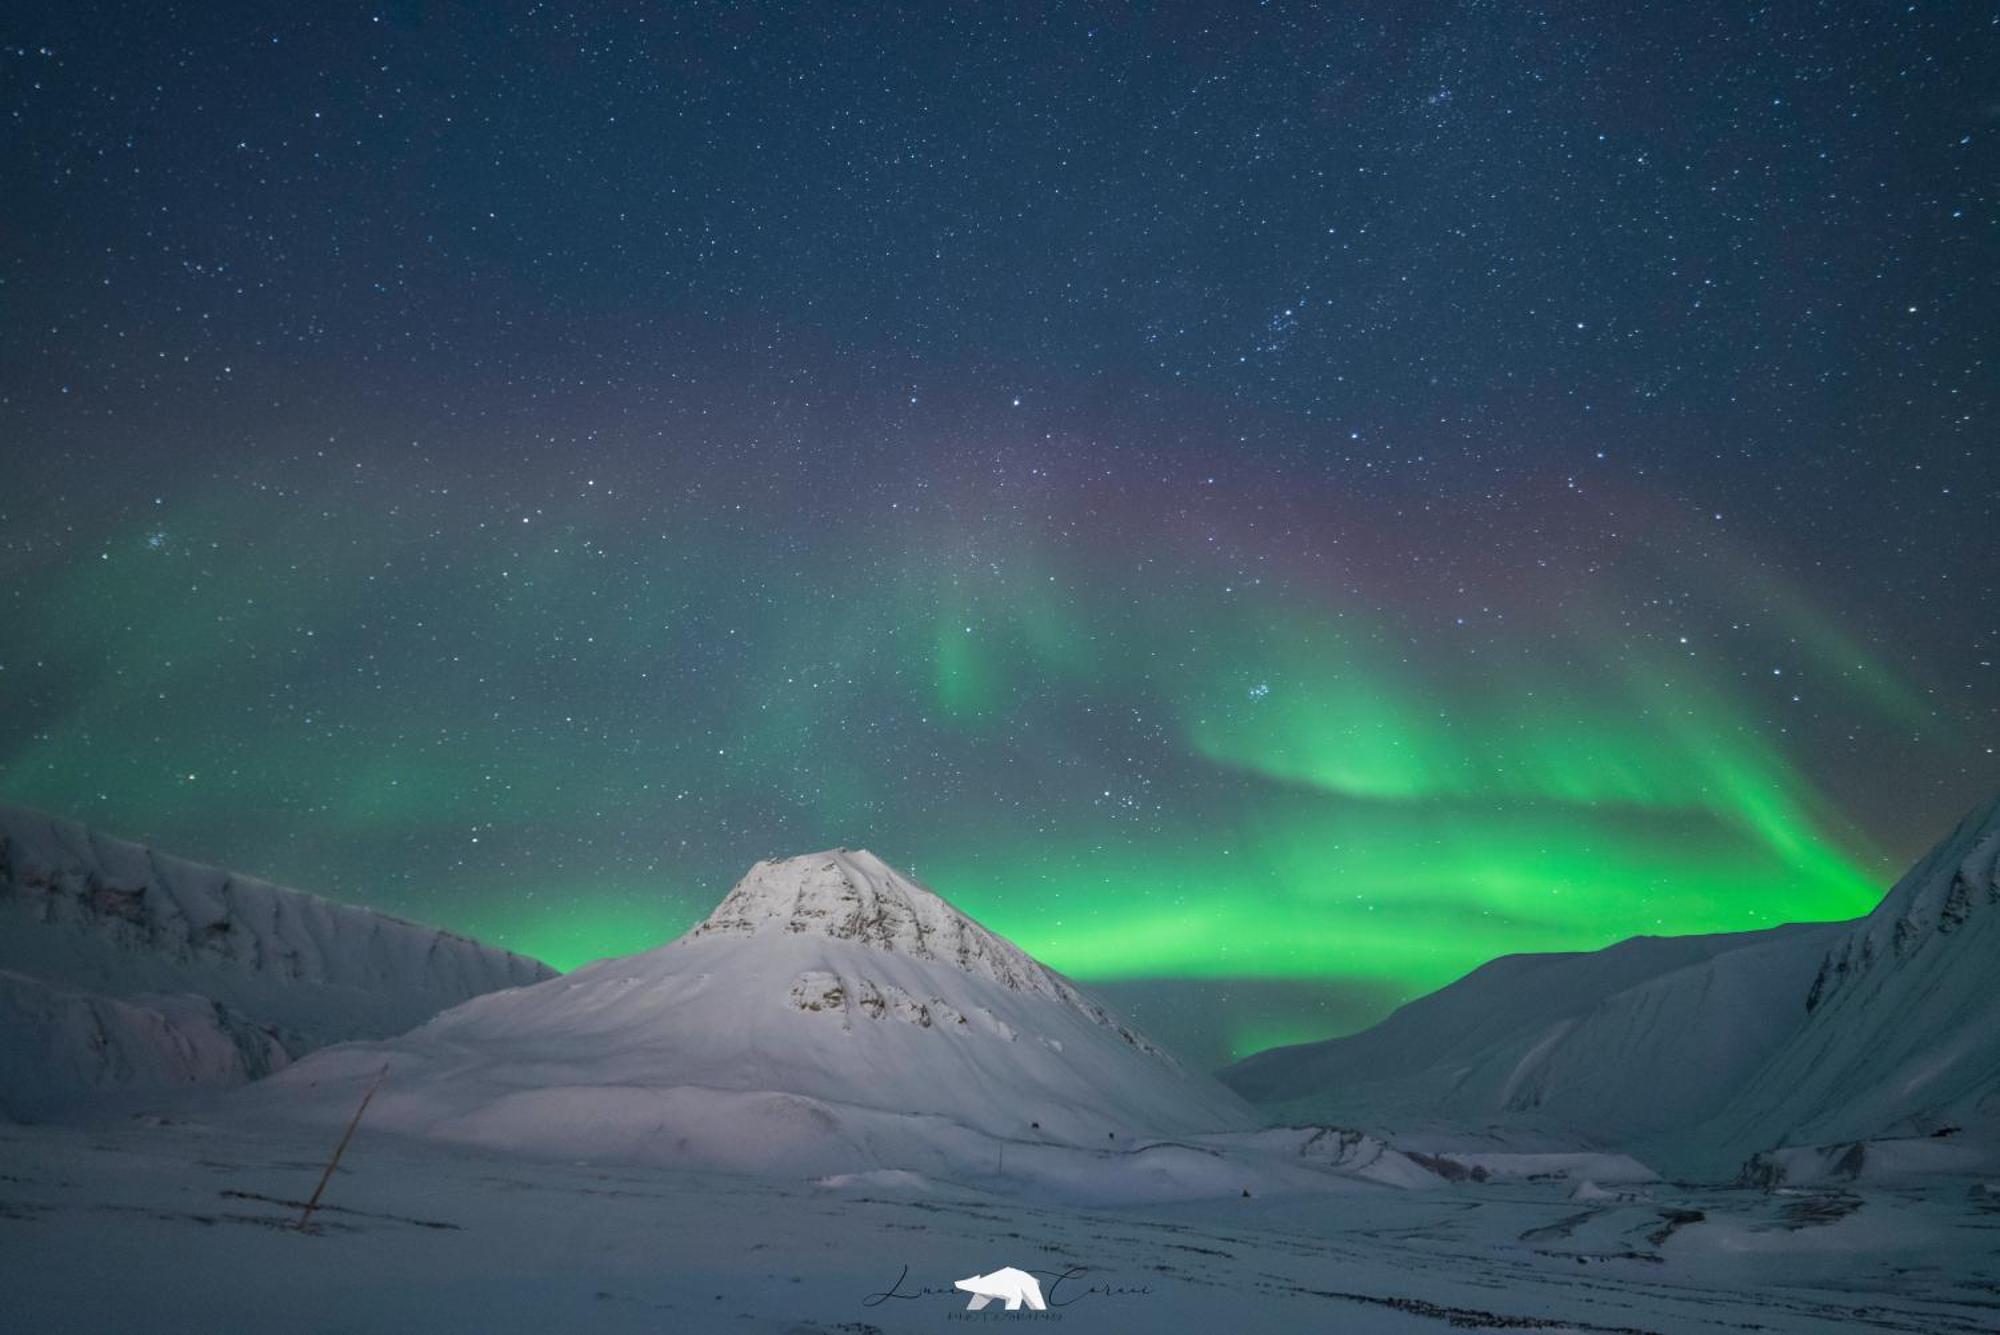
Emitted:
<point x="106" y="1225"/>
<point x="1526" y="1066"/>
<point x="852" y="895"/>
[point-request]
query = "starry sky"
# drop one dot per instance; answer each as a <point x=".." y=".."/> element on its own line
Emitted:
<point x="1268" y="506"/>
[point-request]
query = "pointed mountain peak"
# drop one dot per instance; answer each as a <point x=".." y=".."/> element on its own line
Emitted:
<point x="847" y="894"/>
<point x="1962" y="869"/>
<point x="850" y="895"/>
<point x="1956" y="881"/>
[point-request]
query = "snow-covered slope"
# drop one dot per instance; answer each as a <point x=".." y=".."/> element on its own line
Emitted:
<point x="831" y="1015"/>
<point x="1618" y="1047"/>
<point x="59" y="1046"/>
<point x="99" y="919"/>
<point x="1698" y="1052"/>
<point x="1901" y="1022"/>
<point x="855" y="896"/>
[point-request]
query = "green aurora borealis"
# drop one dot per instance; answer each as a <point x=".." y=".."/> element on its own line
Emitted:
<point x="567" y="730"/>
<point x="1268" y="508"/>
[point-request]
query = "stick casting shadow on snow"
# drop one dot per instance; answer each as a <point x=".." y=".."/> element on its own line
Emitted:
<point x="312" y="1203"/>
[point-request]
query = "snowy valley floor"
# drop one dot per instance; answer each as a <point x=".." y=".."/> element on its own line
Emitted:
<point x="180" y="1227"/>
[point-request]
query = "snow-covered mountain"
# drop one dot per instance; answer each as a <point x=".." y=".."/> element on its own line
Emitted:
<point x="157" y="966"/>
<point x="831" y="1015"/>
<point x="1901" y="1022"/>
<point x="59" y="1046"/>
<point x="1570" y="1044"/>
<point x="1697" y="1052"/>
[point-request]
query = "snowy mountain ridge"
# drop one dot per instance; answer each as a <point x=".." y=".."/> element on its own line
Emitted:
<point x="87" y="921"/>
<point x="1937" y="897"/>
<point x="1544" y="1044"/>
<point x="1701" y="1054"/>
<point x="58" y="1045"/>
<point x="1900" y="1032"/>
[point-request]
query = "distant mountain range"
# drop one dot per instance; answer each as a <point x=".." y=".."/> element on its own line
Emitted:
<point x="832" y="1015"/>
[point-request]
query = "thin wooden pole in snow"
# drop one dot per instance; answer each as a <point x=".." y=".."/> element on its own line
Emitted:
<point x="341" y="1148"/>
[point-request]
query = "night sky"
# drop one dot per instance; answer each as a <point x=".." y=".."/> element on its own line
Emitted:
<point x="1267" y="506"/>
